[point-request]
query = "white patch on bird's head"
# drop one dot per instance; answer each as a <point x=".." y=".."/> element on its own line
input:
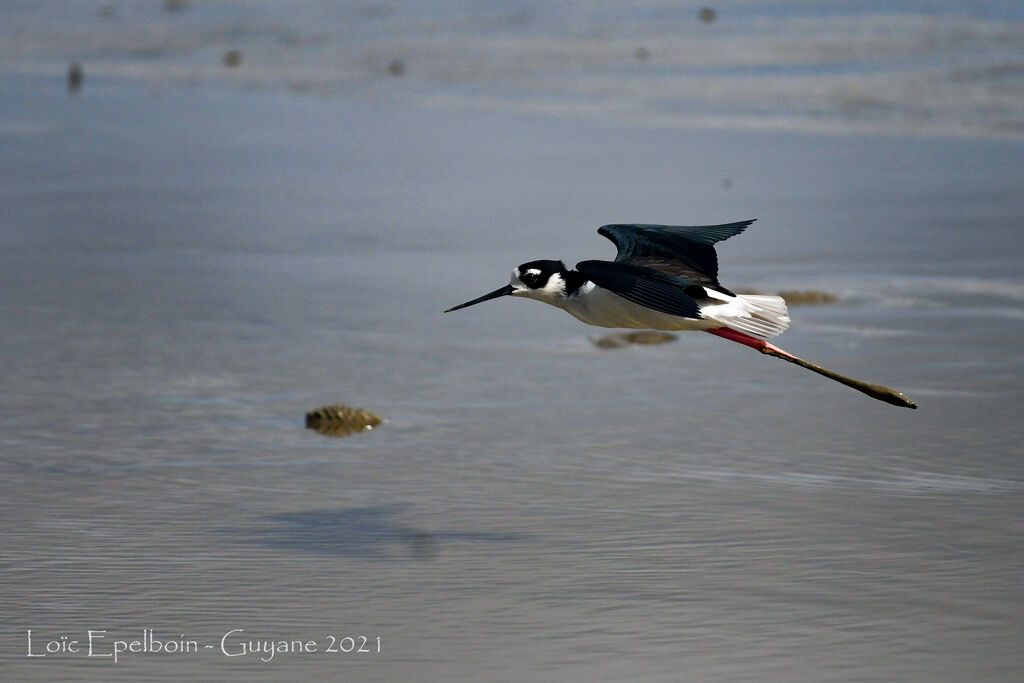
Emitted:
<point x="540" y="280"/>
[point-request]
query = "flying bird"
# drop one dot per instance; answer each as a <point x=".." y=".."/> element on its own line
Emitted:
<point x="665" y="277"/>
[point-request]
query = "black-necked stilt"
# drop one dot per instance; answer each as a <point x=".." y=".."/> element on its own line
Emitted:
<point x="665" y="277"/>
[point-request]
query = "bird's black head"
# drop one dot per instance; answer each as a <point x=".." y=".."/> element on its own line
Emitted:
<point x="537" y="275"/>
<point x="544" y="280"/>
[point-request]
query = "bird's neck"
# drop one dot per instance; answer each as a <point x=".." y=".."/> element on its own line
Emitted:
<point x="561" y="290"/>
<point x="573" y="281"/>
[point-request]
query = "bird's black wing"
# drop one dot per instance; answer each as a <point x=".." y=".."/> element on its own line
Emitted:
<point x="650" y="288"/>
<point x="687" y="251"/>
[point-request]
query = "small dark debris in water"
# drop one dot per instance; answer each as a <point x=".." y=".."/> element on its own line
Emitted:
<point x="172" y="6"/>
<point x="810" y="297"/>
<point x="807" y="298"/>
<point x="641" y="54"/>
<point x="609" y="341"/>
<point x="650" y="337"/>
<point x="106" y="12"/>
<point x="726" y="183"/>
<point x="707" y="15"/>
<point x="75" y="76"/>
<point x="232" y="58"/>
<point x="618" y="340"/>
<point x="341" y="420"/>
<point x="396" y="67"/>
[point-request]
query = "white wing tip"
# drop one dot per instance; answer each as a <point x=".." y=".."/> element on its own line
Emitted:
<point x="761" y="316"/>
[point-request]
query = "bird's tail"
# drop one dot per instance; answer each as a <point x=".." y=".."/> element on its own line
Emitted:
<point x="756" y="314"/>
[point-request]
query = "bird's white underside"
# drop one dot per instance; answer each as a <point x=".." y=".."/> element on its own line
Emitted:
<point x="762" y="316"/>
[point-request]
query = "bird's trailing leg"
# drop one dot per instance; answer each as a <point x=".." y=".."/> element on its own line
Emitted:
<point x="873" y="390"/>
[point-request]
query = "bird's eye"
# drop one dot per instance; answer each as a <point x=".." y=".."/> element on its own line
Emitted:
<point x="529" y="278"/>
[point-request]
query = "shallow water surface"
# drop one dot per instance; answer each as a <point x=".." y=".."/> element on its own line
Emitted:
<point x="187" y="272"/>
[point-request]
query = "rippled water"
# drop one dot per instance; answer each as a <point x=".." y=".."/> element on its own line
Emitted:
<point x="188" y="270"/>
<point x="917" y="68"/>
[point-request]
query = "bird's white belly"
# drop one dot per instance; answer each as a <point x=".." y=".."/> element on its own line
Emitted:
<point x="600" y="307"/>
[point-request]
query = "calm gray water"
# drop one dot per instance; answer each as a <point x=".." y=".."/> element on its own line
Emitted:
<point x="907" y="67"/>
<point x="187" y="269"/>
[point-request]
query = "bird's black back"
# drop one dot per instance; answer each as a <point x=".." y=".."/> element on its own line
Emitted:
<point x="684" y="251"/>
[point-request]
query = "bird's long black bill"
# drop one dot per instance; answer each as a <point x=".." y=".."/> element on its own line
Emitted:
<point x="504" y="291"/>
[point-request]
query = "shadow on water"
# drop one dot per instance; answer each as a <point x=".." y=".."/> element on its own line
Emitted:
<point x="372" y="533"/>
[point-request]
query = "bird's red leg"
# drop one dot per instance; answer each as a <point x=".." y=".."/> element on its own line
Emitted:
<point x="747" y="340"/>
<point x="877" y="391"/>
